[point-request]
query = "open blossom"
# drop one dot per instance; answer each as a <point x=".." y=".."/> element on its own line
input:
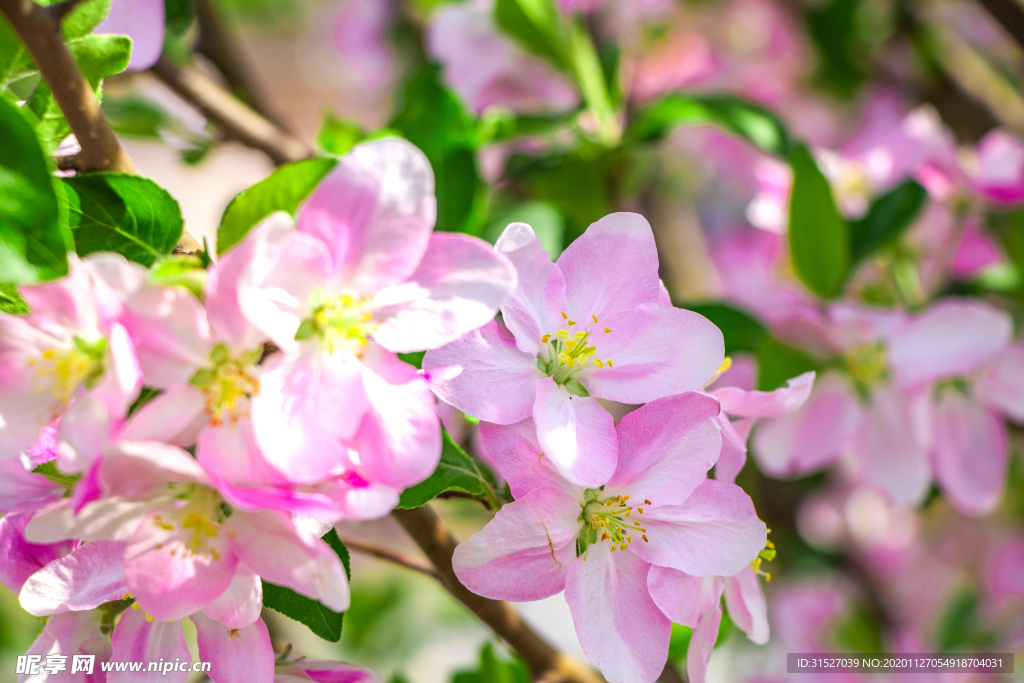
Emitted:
<point x="70" y="348"/>
<point x="656" y="516"/>
<point x="486" y="68"/>
<point x="592" y="325"/>
<point x="186" y="550"/>
<point x="360" y="279"/>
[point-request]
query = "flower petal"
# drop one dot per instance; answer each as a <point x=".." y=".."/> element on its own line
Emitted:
<point x="612" y="267"/>
<point x="137" y="639"/>
<point x="519" y="458"/>
<point x="892" y="445"/>
<point x="733" y="457"/>
<point x="539" y="298"/>
<point x="1002" y="387"/>
<point x="683" y="598"/>
<point x="782" y="401"/>
<point x="375" y="212"/>
<point x="23" y="491"/>
<point x="702" y="643"/>
<point x="90" y="576"/>
<point x="576" y="433"/>
<point x="523" y="553"/>
<point x="70" y="634"/>
<point x="497" y="382"/>
<point x="457" y="287"/>
<point x="620" y="628"/>
<point x="951" y="338"/>
<point x="23" y="558"/>
<point x="813" y="436"/>
<point x="747" y="608"/>
<point x="333" y="672"/>
<point x="239" y="655"/>
<point x="655" y="351"/>
<point x="666" y="449"/>
<point x="970" y="453"/>
<point x="175" y="417"/>
<point x="715" y="532"/>
<point x="241" y="603"/>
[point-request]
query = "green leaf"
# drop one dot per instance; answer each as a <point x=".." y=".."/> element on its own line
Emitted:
<point x="84" y="19"/>
<point x="833" y="28"/>
<point x="547" y="223"/>
<point x="34" y="238"/>
<point x="495" y="669"/>
<point x="498" y="125"/>
<point x="741" y="330"/>
<point x="316" y="616"/>
<point x="590" y="78"/>
<point x="11" y="302"/>
<point x="887" y="218"/>
<point x="50" y="471"/>
<point x="122" y="213"/>
<point x="536" y="25"/>
<point x="11" y="51"/>
<point x="180" y="270"/>
<point x="338" y="135"/>
<point x="749" y="121"/>
<point x="282" y="190"/>
<point x="433" y="119"/>
<point x="778" y="362"/>
<point x="859" y="631"/>
<point x="679" y="642"/>
<point x="961" y="627"/>
<point x="134" y="116"/>
<point x="456" y="472"/>
<point x="577" y="186"/>
<point x="178" y="16"/>
<point x="819" y="240"/>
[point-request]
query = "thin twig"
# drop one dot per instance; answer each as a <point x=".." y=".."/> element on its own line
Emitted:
<point x="39" y="31"/>
<point x="237" y="118"/>
<point x="389" y="555"/>
<point x="217" y="44"/>
<point x="431" y="534"/>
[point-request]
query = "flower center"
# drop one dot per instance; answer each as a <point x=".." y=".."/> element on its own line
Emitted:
<point x="341" y="321"/>
<point x="200" y="519"/>
<point x="568" y="351"/>
<point x="867" y="366"/>
<point x="608" y="519"/>
<point x="64" y="370"/>
<point x="228" y="385"/>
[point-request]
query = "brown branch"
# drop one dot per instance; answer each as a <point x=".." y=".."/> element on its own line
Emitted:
<point x="237" y="118"/>
<point x="217" y="44"/>
<point x="62" y="9"/>
<point x="1009" y="14"/>
<point x="431" y="534"/>
<point x="670" y="674"/>
<point x="389" y="555"/>
<point x="39" y="30"/>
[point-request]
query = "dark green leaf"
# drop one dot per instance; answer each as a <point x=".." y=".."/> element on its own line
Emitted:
<point x="414" y="358"/>
<point x="819" y="240"/>
<point x="536" y="25"/>
<point x="741" y="330"/>
<point x="887" y="218"/>
<point x="178" y="16"/>
<point x="282" y="190"/>
<point x="579" y="187"/>
<point x="456" y="472"/>
<point x="832" y="27"/>
<point x="960" y="628"/>
<point x="859" y="631"/>
<point x="126" y="214"/>
<point x="338" y="135"/>
<point x="778" y="362"/>
<point x="434" y="120"/>
<point x="749" y="121"/>
<point x="495" y="669"/>
<point x="11" y="302"/>
<point x="34" y="238"/>
<point x="134" y="116"/>
<point x="501" y="124"/>
<point x="320" y="619"/>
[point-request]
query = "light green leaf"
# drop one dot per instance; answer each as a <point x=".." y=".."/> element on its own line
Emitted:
<point x="11" y="301"/>
<point x="819" y="239"/>
<point x="84" y="18"/>
<point x="338" y="135"/>
<point x="180" y="270"/>
<point x="122" y="213"/>
<point x="739" y="117"/>
<point x="34" y="237"/>
<point x="282" y="190"/>
<point x="495" y="669"/>
<point x="456" y="472"/>
<point x="101" y="55"/>
<point x="319" y="618"/>
<point x="536" y="25"/>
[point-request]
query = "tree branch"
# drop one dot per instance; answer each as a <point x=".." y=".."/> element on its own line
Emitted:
<point x="431" y="534"/>
<point x="218" y="45"/>
<point x="39" y="30"/>
<point x="62" y="9"/>
<point x="237" y="118"/>
<point x="389" y="555"/>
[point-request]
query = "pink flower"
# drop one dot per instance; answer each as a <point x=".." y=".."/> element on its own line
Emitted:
<point x="486" y="69"/>
<point x="590" y="326"/>
<point x="69" y="634"/>
<point x="598" y="545"/>
<point x="359" y="36"/>
<point x="325" y="672"/>
<point x="143" y="22"/>
<point x="23" y="491"/>
<point x="70" y="348"/>
<point x="996" y="171"/>
<point x="361" y="279"/>
<point x="184" y="552"/>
